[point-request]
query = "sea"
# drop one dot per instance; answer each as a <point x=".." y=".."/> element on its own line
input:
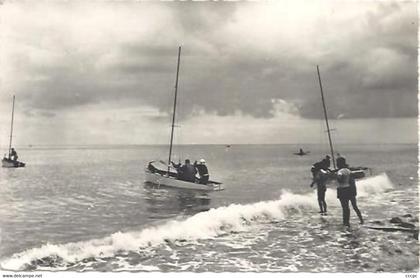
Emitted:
<point x="87" y="208"/>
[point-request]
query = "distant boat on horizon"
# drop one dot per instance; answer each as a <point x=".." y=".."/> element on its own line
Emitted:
<point x="302" y="152"/>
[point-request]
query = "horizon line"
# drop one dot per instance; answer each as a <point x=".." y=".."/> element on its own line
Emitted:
<point x="206" y="144"/>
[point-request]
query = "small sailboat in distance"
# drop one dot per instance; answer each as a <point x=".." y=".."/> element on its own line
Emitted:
<point x="301" y="152"/>
<point x="10" y="161"/>
<point x="161" y="173"/>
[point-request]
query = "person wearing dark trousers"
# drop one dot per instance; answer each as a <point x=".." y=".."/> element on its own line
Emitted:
<point x="353" y="194"/>
<point x="346" y="191"/>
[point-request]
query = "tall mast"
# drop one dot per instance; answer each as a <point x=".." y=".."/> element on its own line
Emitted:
<point x="174" y="111"/>
<point x="326" y="117"/>
<point x="11" y="126"/>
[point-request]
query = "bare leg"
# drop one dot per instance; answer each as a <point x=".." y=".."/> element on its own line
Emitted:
<point x="356" y="209"/>
<point x="321" y="201"/>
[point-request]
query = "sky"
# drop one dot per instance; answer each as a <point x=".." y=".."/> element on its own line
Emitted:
<point x="103" y="72"/>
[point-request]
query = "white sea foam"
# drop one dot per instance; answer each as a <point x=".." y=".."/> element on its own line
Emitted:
<point x="204" y="225"/>
<point x="375" y="184"/>
<point x="367" y="186"/>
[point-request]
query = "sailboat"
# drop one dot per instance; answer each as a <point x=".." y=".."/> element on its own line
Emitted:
<point x="10" y="161"/>
<point x="357" y="172"/>
<point x="162" y="173"/>
<point x="301" y="152"/>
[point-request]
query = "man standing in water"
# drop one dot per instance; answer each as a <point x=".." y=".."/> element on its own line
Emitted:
<point x="320" y="172"/>
<point x="346" y="191"/>
<point x="320" y="178"/>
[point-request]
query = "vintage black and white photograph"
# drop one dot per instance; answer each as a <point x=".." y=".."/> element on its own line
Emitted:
<point x="209" y="137"/>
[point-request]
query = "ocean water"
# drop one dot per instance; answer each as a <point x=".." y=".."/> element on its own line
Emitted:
<point x="88" y="209"/>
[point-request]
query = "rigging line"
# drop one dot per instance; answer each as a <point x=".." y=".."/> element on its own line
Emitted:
<point x="326" y="117"/>
<point x="174" y="110"/>
<point x="11" y="126"/>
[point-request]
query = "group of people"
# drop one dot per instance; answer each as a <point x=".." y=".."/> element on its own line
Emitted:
<point x="188" y="171"/>
<point x="346" y="186"/>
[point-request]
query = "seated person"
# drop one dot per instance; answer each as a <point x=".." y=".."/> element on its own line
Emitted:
<point x="186" y="172"/>
<point x="202" y="171"/>
<point x="13" y="155"/>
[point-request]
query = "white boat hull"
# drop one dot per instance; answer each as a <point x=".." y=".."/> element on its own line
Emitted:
<point x="158" y="179"/>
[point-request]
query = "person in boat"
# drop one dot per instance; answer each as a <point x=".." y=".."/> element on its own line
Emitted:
<point x="203" y="172"/>
<point x="186" y="172"/>
<point x="301" y="152"/>
<point x="13" y="155"/>
<point x="321" y="179"/>
<point x="177" y="167"/>
<point x="346" y="191"/>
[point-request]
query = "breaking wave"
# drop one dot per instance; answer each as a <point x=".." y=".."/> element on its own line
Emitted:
<point x="204" y="225"/>
<point x="375" y="184"/>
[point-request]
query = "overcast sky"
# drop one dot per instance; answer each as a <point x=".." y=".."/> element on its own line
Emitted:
<point x="103" y="72"/>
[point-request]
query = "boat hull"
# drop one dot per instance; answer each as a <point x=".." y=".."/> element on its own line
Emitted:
<point x="8" y="163"/>
<point x="360" y="172"/>
<point x="304" y="153"/>
<point x="164" y="180"/>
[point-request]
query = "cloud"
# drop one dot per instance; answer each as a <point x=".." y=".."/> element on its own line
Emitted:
<point x="236" y="56"/>
<point x="104" y="124"/>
